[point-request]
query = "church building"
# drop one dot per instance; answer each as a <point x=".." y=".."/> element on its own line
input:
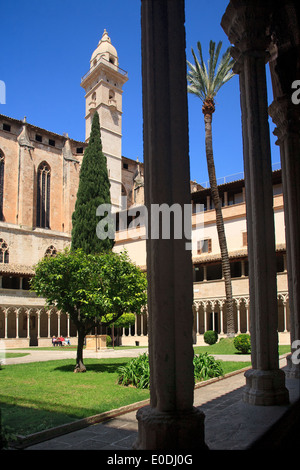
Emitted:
<point x="39" y="175"/>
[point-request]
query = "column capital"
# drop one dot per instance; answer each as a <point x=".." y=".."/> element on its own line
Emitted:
<point x="246" y="24"/>
<point x="286" y="117"/>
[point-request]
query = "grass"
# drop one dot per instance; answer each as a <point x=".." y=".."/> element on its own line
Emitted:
<point x="41" y="395"/>
<point x="225" y="346"/>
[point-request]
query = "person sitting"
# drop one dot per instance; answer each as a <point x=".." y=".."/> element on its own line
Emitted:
<point x="54" y="341"/>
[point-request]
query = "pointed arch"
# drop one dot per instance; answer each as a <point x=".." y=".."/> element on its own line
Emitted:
<point x="43" y="195"/>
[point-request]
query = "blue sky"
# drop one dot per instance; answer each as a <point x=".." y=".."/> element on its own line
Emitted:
<point x="46" y="48"/>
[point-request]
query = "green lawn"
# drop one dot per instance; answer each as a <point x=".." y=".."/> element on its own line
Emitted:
<point x="41" y="395"/>
<point x="225" y="346"/>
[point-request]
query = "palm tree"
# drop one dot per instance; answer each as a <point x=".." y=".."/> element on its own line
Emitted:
<point x="205" y="83"/>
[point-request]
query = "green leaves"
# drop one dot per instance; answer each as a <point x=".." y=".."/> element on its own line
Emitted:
<point x="94" y="285"/>
<point x="93" y="191"/>
<point x="205" y="82"/>
<point x="137" y="371"/>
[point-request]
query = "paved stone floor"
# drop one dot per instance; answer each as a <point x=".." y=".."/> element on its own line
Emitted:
<point x="230" y="424"/>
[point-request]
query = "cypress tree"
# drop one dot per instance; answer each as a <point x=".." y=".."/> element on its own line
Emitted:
<point x="93" y="190"/>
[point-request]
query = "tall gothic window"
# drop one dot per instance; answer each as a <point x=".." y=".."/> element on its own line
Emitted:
<point x="43" y="196"/>
<point x="1" y="183"/>
<point x="4" y="253"/>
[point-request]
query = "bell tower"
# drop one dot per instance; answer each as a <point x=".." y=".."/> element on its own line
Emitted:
<point x="103" y="93"/>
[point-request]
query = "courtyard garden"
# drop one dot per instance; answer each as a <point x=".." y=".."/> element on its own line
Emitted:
<point x="41" y="395"/>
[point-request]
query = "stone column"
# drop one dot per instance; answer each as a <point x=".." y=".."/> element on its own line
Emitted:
<point x="171" y="421"/>
<point x="247" y="314"/>
<point x="205" y="316"/>
<point x="17" y="323"/>
<point x="5" y="323"/>
<point x="245" y="24"/>
<point x="28" y="325"/>
<point x="222" y="305"/>
<point x="38" y="324"/>
<point x="286" y="116"/>
<point x="49" y="323"/>
<point x="238" y="315"/>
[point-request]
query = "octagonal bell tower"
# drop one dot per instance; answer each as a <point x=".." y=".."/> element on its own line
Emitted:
<point x="103" y="93"/>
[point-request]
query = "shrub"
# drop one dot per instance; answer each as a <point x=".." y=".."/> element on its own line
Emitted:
<point x="108" y="341"/>
<point x="136" y="372"/>
<point x="242" y="343"/>
<point x="210" y="337"/>
<point x="206" y="367"/>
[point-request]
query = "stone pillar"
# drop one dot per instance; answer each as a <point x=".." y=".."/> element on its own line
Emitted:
<point x="49" y="323"/>
<point x="171" y="421"/>
<point x="28" y="325"/>
<point x="238" y="315"/>
<point x="286" y="116"/>
<point x="247" y="315"/>
<point x="17" y="323"/>
<point x="68" y="325"/>
<point x="38" y="324"/>
<point x="205" y="316"/>
<point x="222" y="305"/>
<point x="5" y="323"/>
<point x="245" y="24"/>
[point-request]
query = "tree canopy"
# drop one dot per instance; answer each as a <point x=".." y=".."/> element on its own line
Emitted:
<point x="91" y="288"/>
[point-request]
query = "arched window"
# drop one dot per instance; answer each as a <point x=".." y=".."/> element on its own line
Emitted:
<point x="1" y="184"/>
<point x="51" y="251"/>
<point x="43" y="196"/>
<point x="4" y="252"/>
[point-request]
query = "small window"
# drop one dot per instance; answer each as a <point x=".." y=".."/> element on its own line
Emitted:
<point x="125" y="166"/>
<point x="204" y="246"/>
<point x="38" y="138"/>
<point x="79" y="150"/>
<point x="6" y="127"/>
<point x="52" y="142"/>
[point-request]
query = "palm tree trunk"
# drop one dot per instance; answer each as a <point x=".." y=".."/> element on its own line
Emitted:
<point x="219" y="222"/>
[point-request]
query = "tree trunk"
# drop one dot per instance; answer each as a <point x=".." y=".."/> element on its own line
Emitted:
<point x="219" y="222"/>
<point x="80" y="367"/>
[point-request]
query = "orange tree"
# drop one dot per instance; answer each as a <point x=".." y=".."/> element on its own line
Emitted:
<point x="92" y="288"/>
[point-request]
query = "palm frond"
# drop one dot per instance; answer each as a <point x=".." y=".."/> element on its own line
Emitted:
<point x="205" y="82"/>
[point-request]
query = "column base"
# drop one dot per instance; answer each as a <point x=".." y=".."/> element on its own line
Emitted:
<point x="179" y="430"/>
<point x="265" y="387"/>
<point x="293" y="369"/>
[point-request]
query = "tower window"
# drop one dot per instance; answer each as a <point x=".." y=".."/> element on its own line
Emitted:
<point x="4" y="252"/>
<point x="52" y="142"/>
<point x="43" y="196"/>
<point x="38" y="138"/>
<point x="79" y="150"/>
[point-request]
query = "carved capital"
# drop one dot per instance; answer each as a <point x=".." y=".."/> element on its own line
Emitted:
<point x="246" y="24"/>
<point x="286" y="117"/>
